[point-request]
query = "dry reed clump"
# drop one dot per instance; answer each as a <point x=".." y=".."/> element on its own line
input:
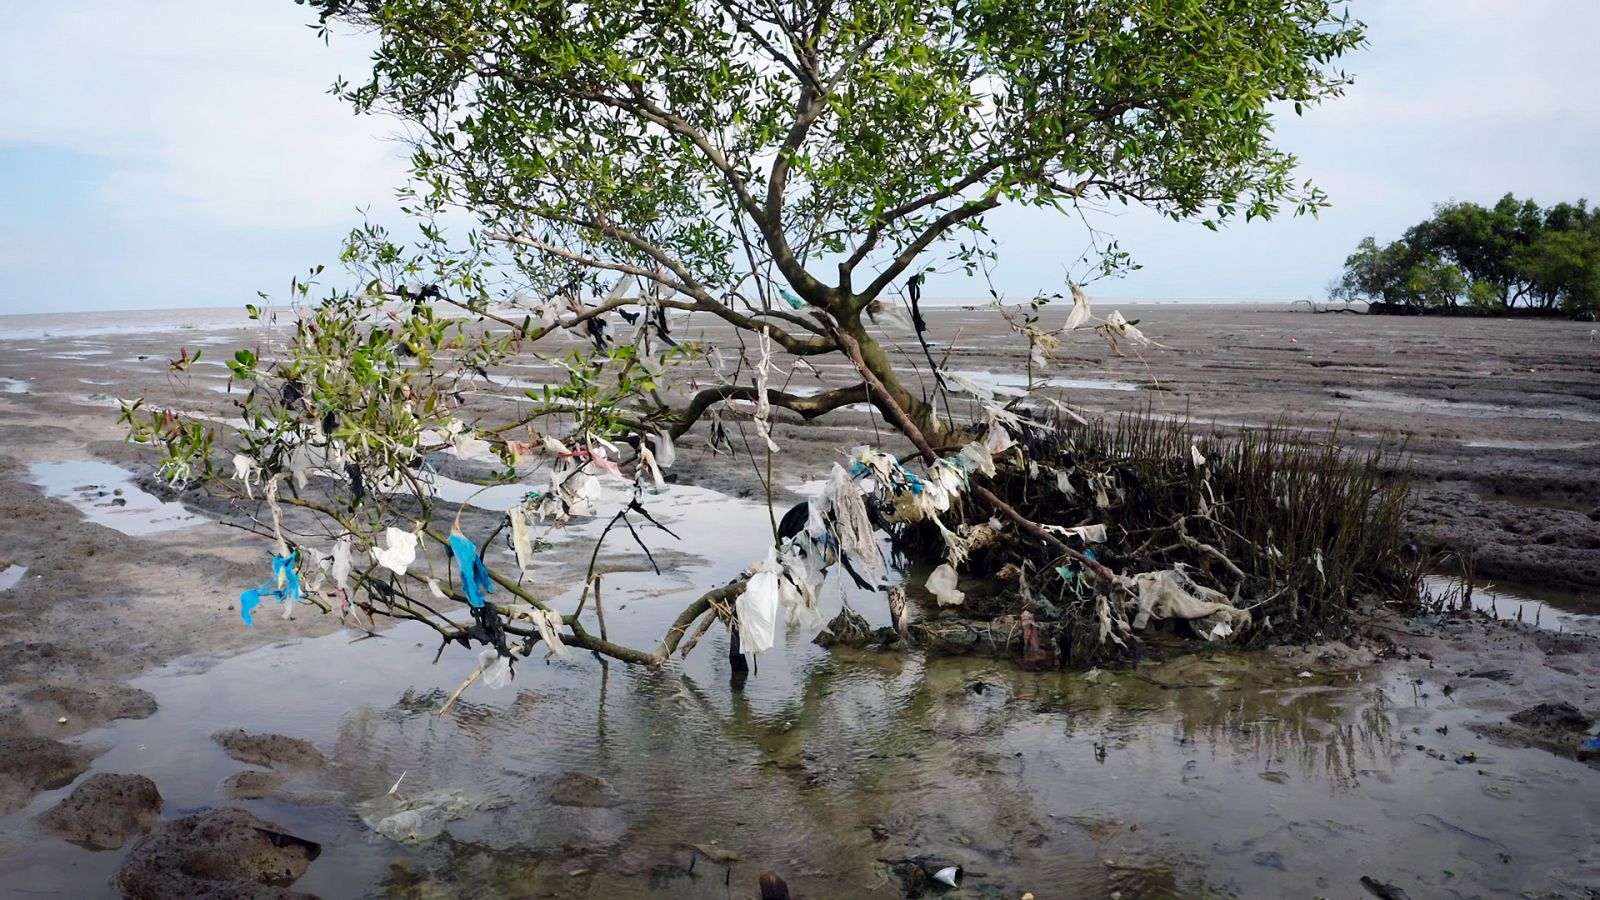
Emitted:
<point x="1286" y="528"/>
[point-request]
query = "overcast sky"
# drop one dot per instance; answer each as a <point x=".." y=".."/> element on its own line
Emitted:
<point x="185" y="153"/>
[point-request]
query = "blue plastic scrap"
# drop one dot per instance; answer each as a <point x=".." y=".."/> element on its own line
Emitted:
<point x="1592" y="743"/>
<point x="474" y="576"/>
<point x="283" y="570"/>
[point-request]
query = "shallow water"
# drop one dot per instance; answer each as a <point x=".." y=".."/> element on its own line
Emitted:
<point x="1236" y="777"/>
<point x="11" y="576"/>
<point x="1204" y="774"/>
<point x="1468" y="409"/>
<point x="1543" y="608"/>
<point x="1013" y="380"/>
<point x="14" y="386"/>
<point x="106" y="494"/>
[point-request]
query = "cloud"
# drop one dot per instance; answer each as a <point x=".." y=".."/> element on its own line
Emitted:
<point x="185" y="152"/>
<point x="1454" y="99"/>
<point x="207" y="113"/>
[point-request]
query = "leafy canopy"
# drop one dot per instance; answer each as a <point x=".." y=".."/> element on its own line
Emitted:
<point x="726" y="145"/>
<point x="1513" y="253"/>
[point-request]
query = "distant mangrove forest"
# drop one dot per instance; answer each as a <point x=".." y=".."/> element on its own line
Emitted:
<point x="1513" y="256"/>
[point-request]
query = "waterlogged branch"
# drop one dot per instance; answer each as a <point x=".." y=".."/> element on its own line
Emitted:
<point x="808" y="407"/>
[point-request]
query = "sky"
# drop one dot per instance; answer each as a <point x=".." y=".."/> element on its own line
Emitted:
<point x="185" y="153"/>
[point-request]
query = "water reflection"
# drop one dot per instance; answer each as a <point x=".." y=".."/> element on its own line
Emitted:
<point x="1203" y="774"/>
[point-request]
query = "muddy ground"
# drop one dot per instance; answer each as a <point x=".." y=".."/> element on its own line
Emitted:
<point x="1501" y="418"/>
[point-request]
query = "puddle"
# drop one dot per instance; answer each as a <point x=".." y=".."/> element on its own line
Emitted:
<point x="11" y="576"/>
<point x="1202" y="775"/>
<point x="1542" y="608"/>
<point x="106" y="495"/>
<point x="1463" y="409"/>
<point x="1246" y="781"/>
<point x="1569" y="503"/>
<point x="14" y="386"/>
<point x="1020" y="381"/>
<point x="1515" y="444"/>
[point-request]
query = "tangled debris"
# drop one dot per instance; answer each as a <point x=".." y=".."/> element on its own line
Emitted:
<point x="1267" y="535"/>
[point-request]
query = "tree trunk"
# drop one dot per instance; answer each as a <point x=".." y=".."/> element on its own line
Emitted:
<point x="920" y="411"/>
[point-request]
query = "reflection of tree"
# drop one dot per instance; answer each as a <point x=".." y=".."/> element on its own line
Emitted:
<point x="873" y="757"/>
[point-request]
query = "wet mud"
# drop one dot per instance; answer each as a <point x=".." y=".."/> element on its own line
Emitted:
<point x="1286" y="774"/>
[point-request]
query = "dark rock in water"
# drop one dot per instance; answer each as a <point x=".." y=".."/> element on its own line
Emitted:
<point x="252" y="784"/>
<point x="581" y="790"/>
<point x="847" y="629"/>
<point x="1492" y="674"/>
<point x="96" y="705"/>
<point x="1271" y="860"/>
<point x="216" y="853"/>
<point x="1557" y="727"/>
<point x="105" y="810"/>
<point x="274" y="751"/>
<point x="1383" y="890"/>
<point x="1552" y="717"/>
<point x="29" y="765"/>
<point x="773" y="887"/>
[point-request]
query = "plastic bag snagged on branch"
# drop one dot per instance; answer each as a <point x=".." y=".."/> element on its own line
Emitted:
<point x="474" y="575"/>
<point x="1168" y="594"/>
<point x="400" y="553"/>
<point x="757" y="608"/>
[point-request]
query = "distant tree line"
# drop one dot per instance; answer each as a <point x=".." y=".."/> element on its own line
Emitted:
<point x="1513" y="255"/>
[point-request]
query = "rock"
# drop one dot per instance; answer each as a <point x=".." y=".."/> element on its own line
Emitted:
<point x="581" y="790"/>
<point x="216" y="853"/>
<point x="29" y="765"/>
<point x="1557" y="727"/>
<point x="1552" y="717"/>
<point x="773" y="887"/>
<point x="105" y="810"/>
<point x="252" y="784"/>
<point x="275" y="751"/>
<point x="92" y="706"/>
<point x="847" y="628"/>
<point x="1270" y="859"/>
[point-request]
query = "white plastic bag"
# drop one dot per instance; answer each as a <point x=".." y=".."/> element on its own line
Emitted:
<point x="942" y="585"/>
<point x="666" y="454"/>
<point x="340" y="569"/>
<point x="757" y="608"/>
<point x="549" y="623"/>
<point x="520" y="541"/>
<point x="1080" y="310"/>
<point x="852" y="526"/>
<point x="496" y="669"/>
<point x="400" y="553"/>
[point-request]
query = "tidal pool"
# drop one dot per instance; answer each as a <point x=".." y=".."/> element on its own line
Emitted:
<point x="1207" y="774"/>
<point x="106" y="494"/>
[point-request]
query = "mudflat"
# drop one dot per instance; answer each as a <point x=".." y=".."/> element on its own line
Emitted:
<point x="114" y="590"/>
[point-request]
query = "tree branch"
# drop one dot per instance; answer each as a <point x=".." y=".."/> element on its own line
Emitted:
<point x="808" y="407"/>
